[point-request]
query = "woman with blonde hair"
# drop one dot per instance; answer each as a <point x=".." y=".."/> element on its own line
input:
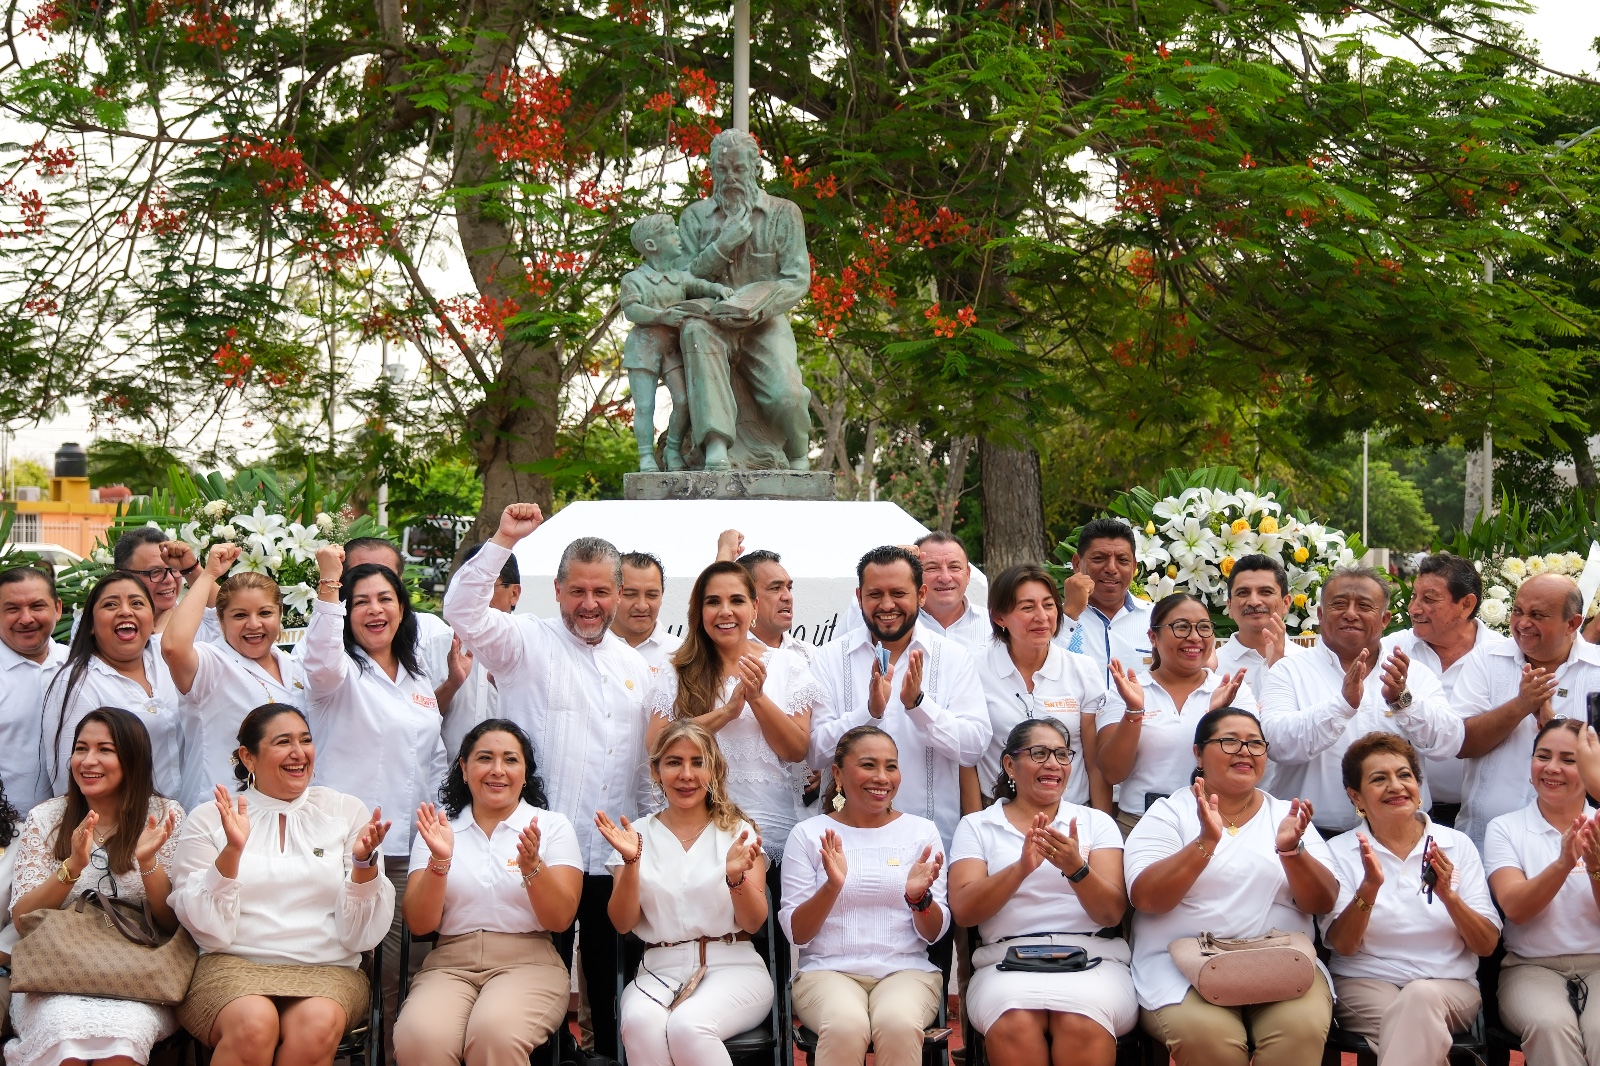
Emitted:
<point x="756" y="700"/>
<point x="218" y="682"/>
<point x="688" y="881"/>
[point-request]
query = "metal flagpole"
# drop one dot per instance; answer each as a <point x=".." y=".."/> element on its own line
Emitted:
<point x="1365" y="436"/>
<point x="741" y="65"/>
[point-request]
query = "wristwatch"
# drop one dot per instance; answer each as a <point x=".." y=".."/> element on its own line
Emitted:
<point x="1082" y="872"/>
<point x="64" y="873"/>
<point x="916" y="702"/>
<point x="1402" y="702"/>
<point x="920" y="905"/>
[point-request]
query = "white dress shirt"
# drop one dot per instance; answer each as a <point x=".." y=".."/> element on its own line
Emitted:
<point x="582" y="704"/>
<point x="1569" y="924"/>
<point x="683" y="891"/>
<point x="377" y="739"/>
<point x="434" y="639"/>
<point x="1125" y="637"/>
<point x="1045" y="902"/>
<point x="1067" y="687"/>
<point x="1408" y="938"/>
<point x="22" y="686"/>
<point x="1234" y="655"/>
<point x="290" y="904"/>
<point x="870" y="932"/>
<point x="227" y="686"/>
<point x="792" y="643"/>
<point x="972" y="628"/>
<point x="477" y="700"/>
<point x="1446" y="774"/>
<point x="948" y="730"/>
<point x="1241" y="892"/>
<point x="102" y="686"/>
<point x="1309" y="725"/>
<point x="1497" y="783"/>
<point x="1164" y="759"/>
<point x="658" y="648"/>
<point x="483" y="890"/>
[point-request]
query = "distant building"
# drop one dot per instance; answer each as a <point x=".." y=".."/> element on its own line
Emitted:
<point x="74" y="515"/>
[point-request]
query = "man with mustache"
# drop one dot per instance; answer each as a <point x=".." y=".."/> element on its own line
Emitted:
<point x="1100" y="618"/>
<point x="29" y="659"/>
<point x="929" y="700"/>
<point x="638" y="620"/>
<point x="579" y="691"/>
<point x="741" y="237"/>
<point x="1258" y="600"/>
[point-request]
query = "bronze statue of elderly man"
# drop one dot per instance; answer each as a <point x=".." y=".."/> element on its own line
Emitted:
<point x="747" y="405"/>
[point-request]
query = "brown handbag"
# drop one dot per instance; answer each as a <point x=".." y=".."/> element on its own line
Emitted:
<point x="102" y="947"/>
<point x="1247" y="971"/>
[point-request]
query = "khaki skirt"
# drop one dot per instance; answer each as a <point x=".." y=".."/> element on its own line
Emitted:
<point x="220" y="979"/>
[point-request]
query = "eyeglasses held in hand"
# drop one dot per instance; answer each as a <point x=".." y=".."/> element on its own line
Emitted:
<point x="1040" y="752"/>
<point x="1182" y="628"/>
<point x="1233" y="745"/>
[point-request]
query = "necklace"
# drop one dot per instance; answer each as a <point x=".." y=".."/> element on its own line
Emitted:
<point x="1234" y="827"/>
<point x="691" y="838"/>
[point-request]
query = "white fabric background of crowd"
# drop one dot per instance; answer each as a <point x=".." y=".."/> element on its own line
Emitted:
<point x="820" y="542"/>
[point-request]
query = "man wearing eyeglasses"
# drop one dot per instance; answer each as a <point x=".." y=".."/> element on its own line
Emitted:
<point x="1316" y="705"/>
<point x="165" y="566"/>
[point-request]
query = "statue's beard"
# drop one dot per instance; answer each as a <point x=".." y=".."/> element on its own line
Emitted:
<point x="733" y="197"/>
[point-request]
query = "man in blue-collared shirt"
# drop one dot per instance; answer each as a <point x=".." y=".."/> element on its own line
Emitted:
<point x="1102" y="619"/>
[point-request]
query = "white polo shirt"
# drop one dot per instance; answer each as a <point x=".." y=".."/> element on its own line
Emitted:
<point x="1067" y="687"/>
<point x="1234" y="655"/>
<point x="483" y="890"/>
<point x="1125" y="637"/>
<point x="1445" y="773"/>
<point x="1310" y="726"/>
<point x="22" y="685"/>
<point x="972" y="629"/>
<point x="1408" y="938"/>
<point x="1569" y="924"/>
<point x="227" y="686"/>
<point x="1164" y="760"/>
<point x="658" y="648"/>
<point x="1497" y="783"/>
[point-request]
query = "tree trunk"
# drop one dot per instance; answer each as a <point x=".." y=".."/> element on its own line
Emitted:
<point x="1013" y="511"/>
<point x="955" y="477"/>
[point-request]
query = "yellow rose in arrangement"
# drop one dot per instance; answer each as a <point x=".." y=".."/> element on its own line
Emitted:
<point x="1240" y="525"/>
<point x="1172" y="571"/>
<point x="1268" y="525"/>
<point x="1301" y="554"/>
<point x="1226" y="566"/>
<point x="1300" y="601"/>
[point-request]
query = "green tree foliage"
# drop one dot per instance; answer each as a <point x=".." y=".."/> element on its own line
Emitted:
<point x="141" y="466"/>
<point x="1397" y="517"/>
<point x="28" y="472"/>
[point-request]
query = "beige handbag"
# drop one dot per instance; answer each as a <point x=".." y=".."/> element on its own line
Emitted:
<point x="102" y="947"/>
<point x="1238" y="973"/>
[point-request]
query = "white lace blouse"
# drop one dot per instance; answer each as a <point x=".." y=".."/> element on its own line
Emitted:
<point x="37" y="862"/>
<point x="765" y="787"/>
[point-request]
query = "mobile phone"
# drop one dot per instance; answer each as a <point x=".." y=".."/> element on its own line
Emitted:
<point x="1046" y="951"/>
<point x="883" y="659"/>
<point x="1592" y="703"/>
<point x="1430" y="876"/>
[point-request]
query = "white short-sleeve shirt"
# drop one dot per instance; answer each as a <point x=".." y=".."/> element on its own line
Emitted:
<point x="1234" y="655"/>
<point x="227" y="686"/>
<point x="1569" y="924"/>
<point x="1045" y="902"/>
<point x="683" y="892"/>
<point x="1066" y="687"/>
<point x="1242" y="892"/>
<point x="483" y="890"/>
<point x="1164" y="759"/>
<point x="1408" y="938"/>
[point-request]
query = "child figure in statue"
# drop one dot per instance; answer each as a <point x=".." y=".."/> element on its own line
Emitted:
<point x="649" y="297"/>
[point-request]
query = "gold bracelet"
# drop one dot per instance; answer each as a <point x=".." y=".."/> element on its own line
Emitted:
<point x="1594" y="875"/>
<point x="1202" y="849"/>
<point x="538" y="868"/>
<point x="1362" y="905"/>
<point x="330" y="584"/>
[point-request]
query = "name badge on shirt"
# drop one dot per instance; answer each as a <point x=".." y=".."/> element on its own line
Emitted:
<point x="894" y="862"/>
<point x="1065" y="705"/>
<point x="421" y="700"/>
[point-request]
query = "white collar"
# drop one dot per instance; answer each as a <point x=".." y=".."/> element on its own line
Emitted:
<point x="1055" y="662"/>
<point x="1581" y="650"/>
<point x="920" y="635"/>
<point x="520" y="815"/>
<point x="1131" y="604"/>
<point x="55" y="655"/>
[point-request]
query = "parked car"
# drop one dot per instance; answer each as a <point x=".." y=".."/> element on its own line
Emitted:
<point x="54" y="554"/>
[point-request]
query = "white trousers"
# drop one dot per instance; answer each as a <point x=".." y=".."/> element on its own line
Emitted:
<point x="735" y="995"/>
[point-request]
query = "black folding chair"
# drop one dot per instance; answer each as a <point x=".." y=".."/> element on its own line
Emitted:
<point x="1466" y="1049"/>
<point x="936" y="1039"/>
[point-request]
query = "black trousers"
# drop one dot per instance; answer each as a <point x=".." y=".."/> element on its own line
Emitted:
<point x="600" y="961"/>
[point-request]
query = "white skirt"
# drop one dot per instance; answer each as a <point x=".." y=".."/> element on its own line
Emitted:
<point x="1103" y="994"/>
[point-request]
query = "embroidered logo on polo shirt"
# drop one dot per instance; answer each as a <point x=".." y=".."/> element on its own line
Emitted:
<point x="629" y="683"/>
<point x="422" y="700"/>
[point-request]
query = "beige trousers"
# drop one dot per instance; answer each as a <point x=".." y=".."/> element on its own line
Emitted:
<point x="1533" y="1003"/>
<point x="483" y="999"/>
<point x="1290" y="1033"/>
<point x="848" y="1013"/>
<point x="1407" y="1025"/>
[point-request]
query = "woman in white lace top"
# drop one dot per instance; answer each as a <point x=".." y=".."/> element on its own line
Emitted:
<point x="113" y="834"/>
<point x="757" y="700"/>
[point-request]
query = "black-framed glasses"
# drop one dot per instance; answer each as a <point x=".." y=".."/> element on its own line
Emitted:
<point x="1233" y="745"/>
<point x="1039" y="753"/>
<point x="1183" y="627"/>
<point x="106" y="883"/>
<point x="155" y="573"/>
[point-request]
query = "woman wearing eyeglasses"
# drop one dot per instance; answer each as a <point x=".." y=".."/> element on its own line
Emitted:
<point x="1544" y="870"/>
<point x="690" y="881"/>
<point x="1034" y="868"/>
<point x="1414" y="912"/>
<point x="1144" y="729"/>
<point x="1027" y="676"/>
<point x="113" y="834"/>
<point x="1225" y="858"/>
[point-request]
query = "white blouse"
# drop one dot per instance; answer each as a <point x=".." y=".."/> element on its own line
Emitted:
<point x="227" y="686"/>
<point x="377" y="739"/>
<point x="766" y="788"/>
<point x="1569" y="924"/>
<point x="36" y="860"/>
<point x="871" y="931"/>
<point x="102" y="686"/>
<point x="292" y="902"/>
<point x="483" y="890"/>
<point x="683" y="892"/>
<point x="1045" y="902"/>
<point x="1242" y="892"/>
<point x="1164" y="758"/>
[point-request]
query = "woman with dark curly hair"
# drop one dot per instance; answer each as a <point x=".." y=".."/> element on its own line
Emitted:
<point x="494" y="986"/>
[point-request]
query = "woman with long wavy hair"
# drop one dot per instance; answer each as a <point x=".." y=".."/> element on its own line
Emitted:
<point x="688" y="881"/>
<point x="494" y="983"/>
<point x="756" y="700"/>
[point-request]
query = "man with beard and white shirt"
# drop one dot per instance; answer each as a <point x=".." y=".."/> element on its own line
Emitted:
<point x="579" y="691"/>
<point x="1317" y="704"/>
<point x="1508" y="690"/>
<point x="476" y="696"/>
<point x="1258" y="600"/>
<point x="638" y="618"/>
<point x="29" y="659"/>
<point x="929" y="700"/>
<point x="1445" y="631"/>
<point x="1100" y="617"/>
<point x="745" y="238"/>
